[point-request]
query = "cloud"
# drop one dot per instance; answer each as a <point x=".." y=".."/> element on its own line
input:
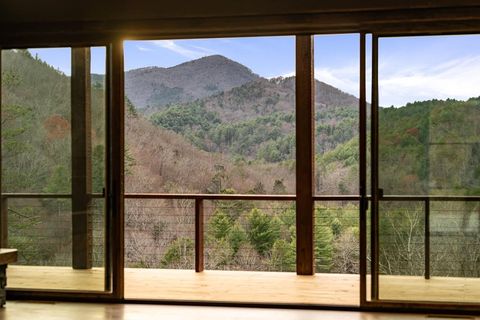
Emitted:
<point x="191" y="52"/>
<point x="144" y="48"/>
<point x="345" y="78"/>
<point x="456" y="78"/>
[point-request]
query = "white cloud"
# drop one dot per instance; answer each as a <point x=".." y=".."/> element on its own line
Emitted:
<point x="456" y="79"/>
<point x="191" y="52"/>
<point x="345" y="78"/>
<point x="144" y="48"/>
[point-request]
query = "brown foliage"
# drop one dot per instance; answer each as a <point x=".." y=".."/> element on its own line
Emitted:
<point x="57" y="127"/>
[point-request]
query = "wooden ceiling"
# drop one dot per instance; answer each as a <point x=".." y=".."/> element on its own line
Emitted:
<point x="53" y="22"/>
<point x="115" y="10"/>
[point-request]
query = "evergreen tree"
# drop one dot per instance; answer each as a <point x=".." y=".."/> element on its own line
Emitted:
<point x="262" y="231"/>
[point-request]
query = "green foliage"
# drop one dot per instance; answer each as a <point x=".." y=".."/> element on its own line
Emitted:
<point x="283" y="256"/>
<point x="323" y="248"/>
<point x="131" y="111"/>
<point x="60" y="181"/>
<point x="98" y="168"/>
<point x="179" y="254"/>
<point x="185" y="119"/>
<point x="20" y="223"/>
<point x="236" y="237"/>
<point x="220" y="225"/>
<point x="262" y="231"/>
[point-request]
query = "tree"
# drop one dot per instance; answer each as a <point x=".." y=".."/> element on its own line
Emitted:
<point x="236" y="237"/>
<point x="262" y="231"/>
<point x="283" y="256"/>
<point x="279" y="187"/>
<point x="179" y="254"/>
<point x="323" y="248"/>
<point x="220" y="225"/>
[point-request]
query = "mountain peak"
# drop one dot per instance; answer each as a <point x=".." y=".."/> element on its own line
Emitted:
<point x="154" y="88"/>
<point x="218" y="62"/>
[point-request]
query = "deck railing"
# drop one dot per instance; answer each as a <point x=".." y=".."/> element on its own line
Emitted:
<point x="199" y="211"/>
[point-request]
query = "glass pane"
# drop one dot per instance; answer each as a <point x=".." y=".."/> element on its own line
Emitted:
<point x="336" y="113"/>
<point x="210" y="115"/>
<point x="429" y="143"/>
<point x="53" y="166"/>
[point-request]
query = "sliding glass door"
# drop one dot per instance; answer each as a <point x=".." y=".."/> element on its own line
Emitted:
<point x="426" y="210"/>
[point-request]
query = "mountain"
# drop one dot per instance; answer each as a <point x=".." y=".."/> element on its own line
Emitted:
<point x="256" y="121"/>
<point x="152" y="88"/>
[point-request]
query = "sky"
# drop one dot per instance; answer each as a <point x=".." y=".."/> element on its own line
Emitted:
<point x="410" y="68"/>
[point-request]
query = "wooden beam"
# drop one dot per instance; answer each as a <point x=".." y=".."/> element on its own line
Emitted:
<point x="304" y="130"/>
<point x="81" y="145"/>
<point x="362" y="141"/>
<point x="374" y="224"/>
<point x="116" y="129"/>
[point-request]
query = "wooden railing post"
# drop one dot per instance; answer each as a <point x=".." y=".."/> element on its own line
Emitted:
<point x="81" y="120"/>
<point x="199" y="236"/>
<point x="4" y="223"/>
<point x="427" y="239"/>
<point x="304" y="130"/>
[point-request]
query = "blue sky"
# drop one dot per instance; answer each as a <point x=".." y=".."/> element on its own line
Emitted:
<point x="410" y="68"/>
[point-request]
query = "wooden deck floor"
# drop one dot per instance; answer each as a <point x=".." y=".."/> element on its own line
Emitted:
<point x="244" y="286"/>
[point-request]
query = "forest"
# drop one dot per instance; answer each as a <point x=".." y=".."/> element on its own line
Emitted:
<point x="240" y="140"/>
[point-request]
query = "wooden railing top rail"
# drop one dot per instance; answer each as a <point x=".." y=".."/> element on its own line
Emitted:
<point x="429" y="198"/>
<point x="253" y="197"/>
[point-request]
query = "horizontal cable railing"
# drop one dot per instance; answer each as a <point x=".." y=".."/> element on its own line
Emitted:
<point x="199" y="208"/>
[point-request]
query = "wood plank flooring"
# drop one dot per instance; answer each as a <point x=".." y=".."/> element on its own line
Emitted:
<point x="19" y="310"/>
<point x="435" y="289"/>
<point x="245" y="286"/>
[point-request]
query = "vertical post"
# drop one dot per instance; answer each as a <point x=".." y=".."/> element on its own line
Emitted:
<point x="362" y="141"/>
<point x="374" y="172"/>
<point x="115" y="174"/>
<point x="81" y="121"/>
<point x="304" y="130"/>
<point x="199" y="236"/>
<point x="4" y="223"/>
<point x="427" y="239"/>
